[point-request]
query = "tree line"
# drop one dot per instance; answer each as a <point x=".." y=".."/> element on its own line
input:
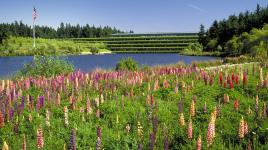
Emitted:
<point x="19" y="29"/>
<point x="217" y="36"/>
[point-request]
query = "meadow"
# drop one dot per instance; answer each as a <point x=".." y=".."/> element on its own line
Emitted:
<point x="168" y="107"/>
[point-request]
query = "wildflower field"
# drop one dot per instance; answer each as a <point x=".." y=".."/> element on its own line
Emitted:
<point x="178" y="107"/>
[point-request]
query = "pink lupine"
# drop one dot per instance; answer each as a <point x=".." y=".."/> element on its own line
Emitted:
<point x="241" y="131"/>
<point x="210" y="134"/>
<point x="199" y="143"/>
<point x="40" y="140"/>
<point x="88" y="107"/>
<point x="190" y="129"/>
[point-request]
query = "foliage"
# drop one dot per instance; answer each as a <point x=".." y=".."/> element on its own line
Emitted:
<point x="45" y="66"/>
<point x="127" y="64"/>
<point x="212" y="44"/>
<point x="253" y="43"/>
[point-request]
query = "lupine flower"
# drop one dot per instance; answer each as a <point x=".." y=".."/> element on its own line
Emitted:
<point x="226" y="98"/>
<point x="264" y="110"/>
<point x="88" y="108"/>
<point x="245" y="128"/>
<point x="140" y="147"/>
<point x="190" y="129"/>
<point x="249" y="111"/>
<point x="128" y="128"/>
<point x="257" y="104"/>
<point x="245" y="78"/>
<point x="205" y="107"/>
<point x="2" y="120"/>
<point x="30" y="118"/>
<point x="5" y="146"/>
<point x="180" y="107"/>
<point x="117" y="119"/>
<point x="241" y="132"/>
<point x="155" y="124"/>
<point x="220" y="78"/>
<point x="194" y="98"/>
<point x="123" y="103"/>
<point x="236" y="105"/>
<point x="165" y="139"/>
<point x="47" y="118"/>
<point x="231" y="85"/>
<point x="140" y="130"/>
<point x="210" y="134"/>
<point x="99" y="131"/>
<point x="24" y="145"/>
<point x="72" y="145"/>
<point x="199" y="143"/>
<point x="151" y="141"/>
<point x="192" y="109"/>
<point x="261" y="76"/>
<point x="98" y="144"/>
<point x="98" y="113"/>
<point x="181" y="120"/>
<point x="66" y="116"/>
<point x="58" y="99"/>
<point x="40" y="141"/>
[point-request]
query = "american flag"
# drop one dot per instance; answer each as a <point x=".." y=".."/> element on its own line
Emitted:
<point x="34" y="14"/>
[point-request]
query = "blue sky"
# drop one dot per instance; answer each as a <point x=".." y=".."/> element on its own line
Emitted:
<point x="137" y="15"/>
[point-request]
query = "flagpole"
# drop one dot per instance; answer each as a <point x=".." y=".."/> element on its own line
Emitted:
<point x="34" y="17"/>
<point x="33" y="34"/>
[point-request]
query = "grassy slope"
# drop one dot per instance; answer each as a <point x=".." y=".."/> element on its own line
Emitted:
<point x="15" y="46"/>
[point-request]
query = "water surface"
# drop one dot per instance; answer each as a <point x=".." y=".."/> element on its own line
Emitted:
<point x="10" y="65"/>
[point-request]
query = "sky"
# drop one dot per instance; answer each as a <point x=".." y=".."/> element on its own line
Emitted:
<point x="137" y="15"/>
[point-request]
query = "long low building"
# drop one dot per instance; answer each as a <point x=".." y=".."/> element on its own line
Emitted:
<point x="145" y="42"/>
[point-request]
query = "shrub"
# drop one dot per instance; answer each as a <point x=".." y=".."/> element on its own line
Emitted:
<point x="46" y="66"/>
<point x="127" y="64"/>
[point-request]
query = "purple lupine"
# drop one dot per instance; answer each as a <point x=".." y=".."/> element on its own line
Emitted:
<point x="155" y="124"/>
<point x="140" y="147"/>
<point x="99" y="131"/>
<point x="165" y="139"/>
<point x="72" y="145"/>
<point x="22" y="103"/>
<point x="152" y="141"/>
<point x="41" y="101"/>
<point x="11" y="113"/>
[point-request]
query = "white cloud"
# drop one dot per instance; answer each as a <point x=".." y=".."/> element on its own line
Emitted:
<point x="196" y="8"/>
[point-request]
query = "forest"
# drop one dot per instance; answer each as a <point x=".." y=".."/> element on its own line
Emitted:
<point x="219" y="37"/>
<point x="19" y="29"/>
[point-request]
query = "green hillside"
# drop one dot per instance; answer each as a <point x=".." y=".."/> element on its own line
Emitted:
<point x="159" y="42"/>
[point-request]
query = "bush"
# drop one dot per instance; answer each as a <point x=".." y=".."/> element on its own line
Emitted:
<point x="94" y="49"/>
<point x="127" y="64"/>
<point x="45" y="66"/>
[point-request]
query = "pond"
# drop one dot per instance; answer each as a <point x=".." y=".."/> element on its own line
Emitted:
<point x="10" y="65"/>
